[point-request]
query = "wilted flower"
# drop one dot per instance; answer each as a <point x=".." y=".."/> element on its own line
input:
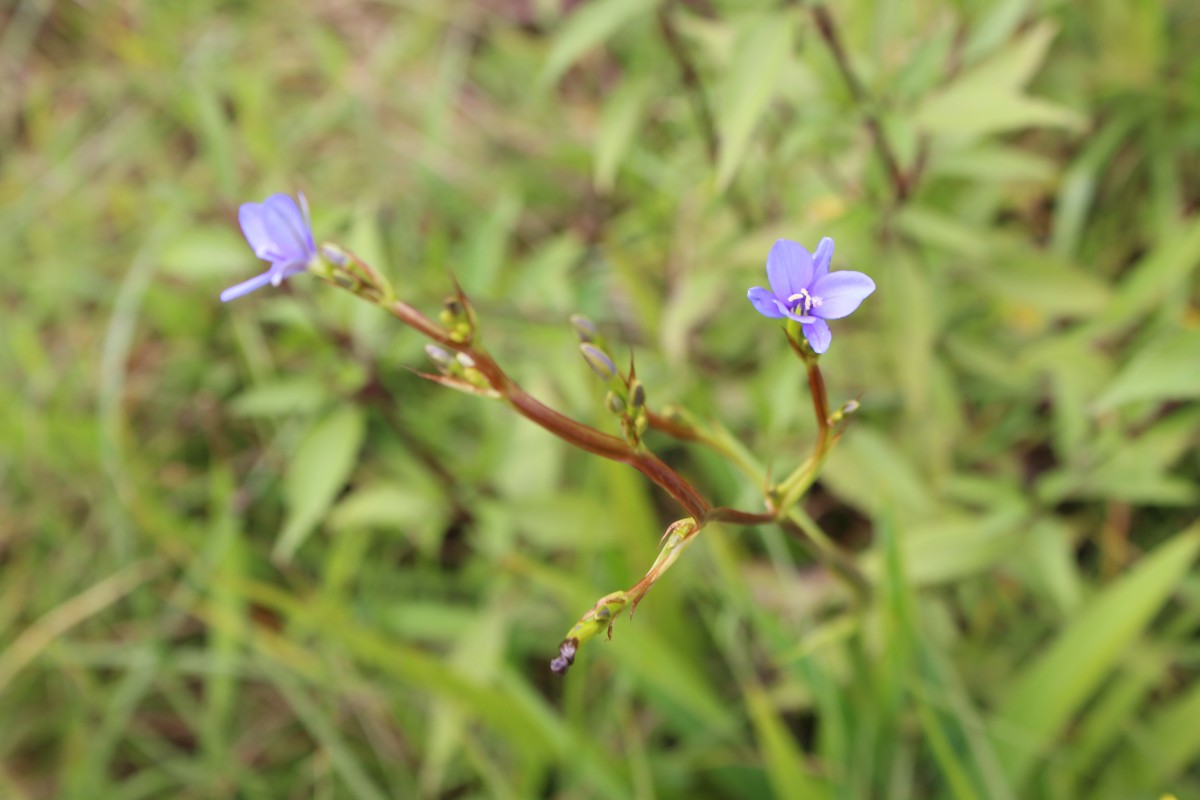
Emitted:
<point x="278" y="231"/>
<point x="803" y="289"/>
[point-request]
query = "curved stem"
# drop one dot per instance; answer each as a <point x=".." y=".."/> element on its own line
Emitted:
<point x="736" y="517"/>
<point x="790" y="517"/>
<point x="582" y="436"/>
<point x="793" y="487"/>
<point x="681" y="425"/>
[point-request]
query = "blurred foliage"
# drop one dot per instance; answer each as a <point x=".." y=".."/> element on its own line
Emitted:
<point x="245" y="553"/>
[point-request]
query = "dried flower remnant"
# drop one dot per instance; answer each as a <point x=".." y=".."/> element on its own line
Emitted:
<point x="565" y="658"/>
<point x="805" y="291"/>
<point x="279" y="231"/>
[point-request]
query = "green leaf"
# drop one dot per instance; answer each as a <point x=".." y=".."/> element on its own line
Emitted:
<point x="978" y="110"/>
<point x="487" y="246"/>
<point x="1107" y="720"/>
<point x="1013" y="66"/>
<point x="617" y="127"/>
<point x="784" y="760"/>
<point x="1133" y="469"/>
<point x="1043" y="698"/>
<point x="589" y="26"/>
<point x="1035" y="280"/>
<point x="1051" y="556"/>
<point x="316" y="475"/>
<point x="383" y="505"/>
<point x="477" y="658"/>
<point x="938" y="229"/>
<point x="366" y="237"/>
<point x="322" y="725"/>
<point x="757" y="62"/>
<point x="993" y="162"/>
<point x="952" y="730"/>
<point x="280" y="398"/>
<point x="1165" y="269"/>
<point x="1166" y="369"/>
<point x="418" y="511"/>
<point x="994" y="28"/>
<point x="1172" y="739"/>
<point x="987" y="98"/>
<point x="939" y="551"/>
<point x="673" y="681"/>
<point x="205" y="252"/>
<point x="212" y="125"/>
<point x="1079" y="183"/>
<point x="869" y="470"/>
<point x="1077" y="372"/>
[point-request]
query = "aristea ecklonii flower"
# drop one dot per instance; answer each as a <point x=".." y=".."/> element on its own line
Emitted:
<point x="278" y="231"/>
<point x="803" y="289"/>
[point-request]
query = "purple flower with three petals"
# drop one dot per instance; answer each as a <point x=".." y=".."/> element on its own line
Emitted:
<point x="803" y="289"/>
<point x="279" y="231"/>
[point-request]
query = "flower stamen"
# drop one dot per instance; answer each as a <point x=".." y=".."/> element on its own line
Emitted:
<point x="807" y="299"/>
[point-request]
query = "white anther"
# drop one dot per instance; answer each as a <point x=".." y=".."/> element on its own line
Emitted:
<point x="808" y="300"/>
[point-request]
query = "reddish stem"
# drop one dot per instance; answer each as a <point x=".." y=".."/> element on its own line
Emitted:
<point x="676" y="430"/>
<point x="820" y="398"/>
<point x="582" y="436"/>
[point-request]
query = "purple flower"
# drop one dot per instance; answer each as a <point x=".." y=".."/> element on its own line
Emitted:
<point x="803" y="289"/>
<point x="279" y="231"/>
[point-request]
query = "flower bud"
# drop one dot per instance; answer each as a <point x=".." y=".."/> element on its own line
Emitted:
<point x="334" y="254"/>
<point x="847" y="409"/>
<point x="585" y="329"/>
<point x="440" y="357"/>
<point x="614" y="402"/>
<point x="637" y="396"/>
<point x="456" y="315"/>
<point x="599" y="361"/>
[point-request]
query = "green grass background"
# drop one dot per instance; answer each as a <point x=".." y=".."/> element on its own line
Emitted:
<point x="1020" y="483"/>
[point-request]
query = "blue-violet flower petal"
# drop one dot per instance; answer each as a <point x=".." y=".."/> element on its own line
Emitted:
<point x="278" y="230"/>
<point x="841" y="293"/>
<point x="789" y="268"/>
<point x="818" y="334"/>
<point x="803" y="289"/>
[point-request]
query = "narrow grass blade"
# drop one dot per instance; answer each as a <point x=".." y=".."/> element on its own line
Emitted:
<point x="1045" y="696"/>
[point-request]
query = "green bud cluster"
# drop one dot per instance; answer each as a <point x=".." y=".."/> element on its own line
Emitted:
<point x="633" y="420"/>
<point x="458" y="367"/>
<point x="446" y="363"/>
<point x="846" y="410"/>
<point x="626" y="397"/>
<point x="469" y="372"/>
<point x="459" y="319"/>
<point x="337" y="266"/>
